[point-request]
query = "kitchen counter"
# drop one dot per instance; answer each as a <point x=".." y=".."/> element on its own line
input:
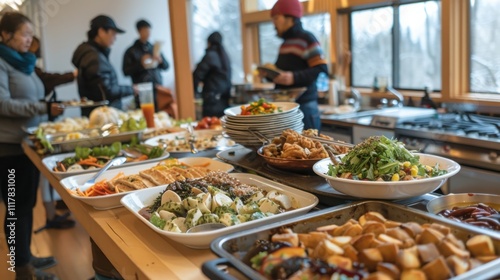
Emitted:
<point x="135" y="250"/>
<point x="364" y="117"/>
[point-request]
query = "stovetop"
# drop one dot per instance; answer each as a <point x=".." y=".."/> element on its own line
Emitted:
<point x="465" y="129"/>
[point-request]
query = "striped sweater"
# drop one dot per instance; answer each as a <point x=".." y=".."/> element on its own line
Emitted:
<point x="301" y="53"/>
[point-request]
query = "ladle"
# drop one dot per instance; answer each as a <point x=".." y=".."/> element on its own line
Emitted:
<point x="206" y="227"/>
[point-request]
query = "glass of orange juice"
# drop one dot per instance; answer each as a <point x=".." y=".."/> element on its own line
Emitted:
<point x="147" y="102"/>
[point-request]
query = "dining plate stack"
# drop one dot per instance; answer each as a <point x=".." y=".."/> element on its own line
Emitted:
<point x="237" y="126"/>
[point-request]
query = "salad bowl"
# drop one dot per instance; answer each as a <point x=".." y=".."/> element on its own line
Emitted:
<point x="390" y="189"/>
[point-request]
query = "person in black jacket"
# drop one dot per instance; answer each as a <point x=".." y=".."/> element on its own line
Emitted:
<point x="214" y="71"/>
<point x="301" y="58"/>
<point x="140" y="63"/>
<point x="97" y="78"/>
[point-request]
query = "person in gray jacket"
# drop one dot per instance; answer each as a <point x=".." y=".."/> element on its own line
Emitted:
<point x="20" y="93"/>
<point x="97" y="79"/>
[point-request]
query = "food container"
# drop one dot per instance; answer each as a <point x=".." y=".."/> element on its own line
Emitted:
<point x="291" y="164"/>
<point x="201" y="240"/>
<point x="444" y="202"/>
<point x="390" y="189"/>
<point x="111" y="201"/>
<point x="462" y="199"/>
<point x="51" y="161"/>
<point x="233" y="247"/>
<point x="70" y="145"/>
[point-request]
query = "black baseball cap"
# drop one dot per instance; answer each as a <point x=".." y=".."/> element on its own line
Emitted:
<point x="102" y="21"/>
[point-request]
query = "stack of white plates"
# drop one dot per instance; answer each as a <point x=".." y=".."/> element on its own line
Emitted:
<point x="237" y="126"/>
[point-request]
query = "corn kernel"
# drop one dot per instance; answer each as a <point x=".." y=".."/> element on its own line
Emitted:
<point x="428" y="168"/>
<point x="395" y="177"/>
<point x="414" y="171"/>
<point x="406" y="164"/>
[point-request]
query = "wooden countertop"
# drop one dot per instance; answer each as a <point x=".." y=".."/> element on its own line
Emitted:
<point x="136" y="251"/>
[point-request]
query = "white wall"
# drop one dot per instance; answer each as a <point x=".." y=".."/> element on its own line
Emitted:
<point x="64" y="25"/>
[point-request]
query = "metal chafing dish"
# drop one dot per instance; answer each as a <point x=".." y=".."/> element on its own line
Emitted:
<point x="233" y="247"/>
<point x="60" y="144"/>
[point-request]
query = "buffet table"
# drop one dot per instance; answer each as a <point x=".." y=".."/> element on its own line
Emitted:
<point x="136" y="251"/>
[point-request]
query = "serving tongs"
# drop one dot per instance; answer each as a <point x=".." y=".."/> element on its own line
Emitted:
<point x="330" y="142"/>
<point x="192" y="139"/>
<point x="262" y="138"/>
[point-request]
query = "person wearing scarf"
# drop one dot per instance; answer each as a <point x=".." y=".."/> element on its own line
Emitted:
<point x="214" y="71"/>
<point x="20" y="92"/>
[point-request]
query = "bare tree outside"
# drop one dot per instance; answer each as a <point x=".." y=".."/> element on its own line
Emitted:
<point x="485" y="39"/>
<point x="371" y="45"/>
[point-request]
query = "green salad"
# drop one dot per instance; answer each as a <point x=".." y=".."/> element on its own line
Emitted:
<point x="379" y="158"/>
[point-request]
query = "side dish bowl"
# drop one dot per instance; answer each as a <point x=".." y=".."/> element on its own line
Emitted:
<point x="390" y="189"/>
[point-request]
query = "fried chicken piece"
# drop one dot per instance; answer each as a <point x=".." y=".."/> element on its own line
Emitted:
<point x="271" y="150"/>
<point x="317" y="153"/>
<point x="293" y="151"/>
<point x="306" y="142"/>
<point x="310" y="132"/>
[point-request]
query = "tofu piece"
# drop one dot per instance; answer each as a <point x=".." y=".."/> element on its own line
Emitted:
<point x="447" y="249"/>
<point x="373" y="227"/>
<point x="480" y="245"/>
<point x="340" y="240"/>
<point x="364" y="241"/>
<point x="437" y="269"/>
<point x="397" y="233"/>
<point x="387" y="239"/>
<point x="457" y="264"/>
<point x="378" y="276"/>
<point x="340" y="261"/>
<point x="389" y="252"/>
<point x="428" y="252"/>
<point x="370" y="258"/>
<point x="408" y="259"/>
<point x="325" y="249"/>
<point x="430" y="235"/>
<point x="413" y="274"/>
<point x="291" y="238"/>
<point x="390" y="269"/>
<point x="412" y="228"/>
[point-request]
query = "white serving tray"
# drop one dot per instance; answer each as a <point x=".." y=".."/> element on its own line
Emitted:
<point x="201" y="240"/>
<point x="110" y="201"/>
<point x="51" y="161"/>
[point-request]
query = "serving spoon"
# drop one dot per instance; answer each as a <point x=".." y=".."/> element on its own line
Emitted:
<point x="112" y="162"/>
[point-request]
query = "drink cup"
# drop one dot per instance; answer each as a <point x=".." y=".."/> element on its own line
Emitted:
<point x="147" y="102"/>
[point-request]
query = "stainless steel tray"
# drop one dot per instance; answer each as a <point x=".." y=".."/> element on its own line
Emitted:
<point x="70" y="145"/>
<point x="237" y="244"/>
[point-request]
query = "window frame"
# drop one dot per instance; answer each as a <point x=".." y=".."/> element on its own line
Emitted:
<point x="455" y="44"/>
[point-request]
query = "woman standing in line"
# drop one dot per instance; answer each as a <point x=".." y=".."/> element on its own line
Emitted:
<point x="20" y="93"/>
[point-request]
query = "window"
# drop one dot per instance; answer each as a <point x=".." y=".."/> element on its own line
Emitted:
<point x="401" y="43"/>
<point x="222" y="16"/>
<point x="484" y="54"/>
<point x="371" y="46"/>
<point x="269" y="42"/>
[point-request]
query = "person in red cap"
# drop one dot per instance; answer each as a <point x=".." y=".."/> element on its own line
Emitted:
<point x="300" y="58"/>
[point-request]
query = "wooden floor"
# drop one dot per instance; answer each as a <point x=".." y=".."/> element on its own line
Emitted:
<point x="71" y="248"/>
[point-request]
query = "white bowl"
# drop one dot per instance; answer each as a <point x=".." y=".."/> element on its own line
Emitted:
<point x="389" y="189"/>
